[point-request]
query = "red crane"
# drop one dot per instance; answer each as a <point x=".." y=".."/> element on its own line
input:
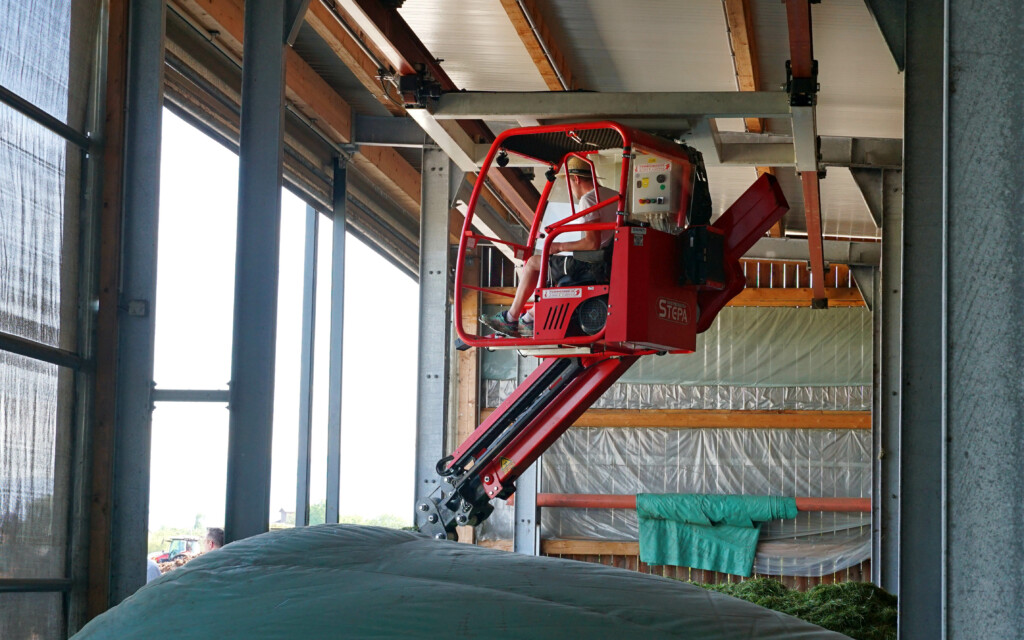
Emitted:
<point x="665" y="287"/>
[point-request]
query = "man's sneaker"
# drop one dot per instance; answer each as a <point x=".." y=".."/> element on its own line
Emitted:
<point x="525" y="326"/>
<point x="500" y="323"/>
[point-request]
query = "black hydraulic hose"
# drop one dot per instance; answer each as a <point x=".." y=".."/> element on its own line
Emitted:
<point x="539" y="401"/>
<point x="512" y="414"/>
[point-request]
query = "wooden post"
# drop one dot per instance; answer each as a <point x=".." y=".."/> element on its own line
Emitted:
<point x="468" y="408"/>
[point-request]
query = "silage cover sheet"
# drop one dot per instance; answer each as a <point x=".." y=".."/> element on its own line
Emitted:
<point x="347" y="581"/>
<point x="710" y="532"/>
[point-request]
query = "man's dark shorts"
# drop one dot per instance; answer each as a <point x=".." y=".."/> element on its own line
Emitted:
<point x="591" y="270"/>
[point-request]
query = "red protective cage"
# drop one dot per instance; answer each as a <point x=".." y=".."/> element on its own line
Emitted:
<point x="650" y="303"/>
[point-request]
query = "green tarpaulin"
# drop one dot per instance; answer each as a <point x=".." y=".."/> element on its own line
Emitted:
<point x="710" y="532"/>
<point x="345" y="581"/>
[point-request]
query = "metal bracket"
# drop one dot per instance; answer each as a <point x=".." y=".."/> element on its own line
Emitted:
<point x="417" y="89"/>
<point x="803" y="92"/>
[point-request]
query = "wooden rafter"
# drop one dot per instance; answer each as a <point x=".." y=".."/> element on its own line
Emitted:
<point x="542" y="47"/>
<point x="719" y="419"/>
<point x="312" y="96"/>
<point x="383" y="28"/>
<point x="752" y="297"/>
<point x="328" y="27"/>
<point x="744" y="48"/>
<point x="105" y="376"/>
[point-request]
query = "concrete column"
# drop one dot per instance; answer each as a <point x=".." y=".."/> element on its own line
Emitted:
<point x="984" y="393"/>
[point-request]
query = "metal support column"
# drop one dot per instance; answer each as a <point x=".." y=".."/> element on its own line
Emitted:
<point x="984" y="247"/>
<point x="306" y="373"/>
<point x="922" y="574"/>
<point x="337" y="343"/>
<point x="883" y="193"/>
<point x="257" y="254"/>
<point x="889" y="296"/>
<point x="435" y="316"/>
<point x="137" y="299"/>
<point x="526" y="531"/>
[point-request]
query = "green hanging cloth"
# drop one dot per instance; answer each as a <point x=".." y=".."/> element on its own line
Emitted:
<point x="710" y="532"/>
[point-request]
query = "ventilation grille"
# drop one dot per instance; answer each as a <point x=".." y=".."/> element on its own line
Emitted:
<point x="557" y="317"/>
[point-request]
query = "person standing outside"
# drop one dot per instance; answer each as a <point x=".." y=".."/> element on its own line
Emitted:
<point x="214" y="539"/>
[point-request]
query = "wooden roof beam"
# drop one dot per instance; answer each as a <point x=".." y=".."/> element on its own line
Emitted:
<point x="744" y="49"/>
<point x="386" y="30"/>
<point x="793" y="297"/>
<point x="317" y="100"/>
<point x="540" y="44"/>
<point x="326" y="22"/>
<point x="718" y="419"/>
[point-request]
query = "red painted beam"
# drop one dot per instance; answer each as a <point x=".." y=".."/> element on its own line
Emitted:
<point x="625" y="501"/>
<point x="812" y="214"/>
<point x="801" y="55"/>
<point x="801" y="51"/>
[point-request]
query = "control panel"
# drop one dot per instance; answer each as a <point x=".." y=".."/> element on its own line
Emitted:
<point x="655" y="184"/>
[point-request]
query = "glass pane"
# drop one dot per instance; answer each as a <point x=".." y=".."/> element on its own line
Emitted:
<point x="188" y="476"/>
<point x="379" y="403"/>
<point x="32" y="198"/>
<point x="33" y="497"/>
<point x="196" y="259"/>
<point x="288" y="367"/>
<point x="32" y="616"/>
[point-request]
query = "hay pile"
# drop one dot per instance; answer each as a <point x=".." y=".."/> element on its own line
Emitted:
<point x="858" y="609"/>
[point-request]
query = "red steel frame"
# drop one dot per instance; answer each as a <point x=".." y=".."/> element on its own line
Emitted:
<point x="733" y="224"/>
<point x="631" y="140"/>
<point x="547" y="427"/>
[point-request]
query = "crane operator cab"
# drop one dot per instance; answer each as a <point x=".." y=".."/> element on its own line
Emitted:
<point x="662" y="272"/>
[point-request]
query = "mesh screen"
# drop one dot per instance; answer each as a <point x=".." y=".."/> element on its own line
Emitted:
<point x="32" y="169"/>
<point x="33" y="513"/>
<point x="47" y="55"/>
<point x="31" y="616"/>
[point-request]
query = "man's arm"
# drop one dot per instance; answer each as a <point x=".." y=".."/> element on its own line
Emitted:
<point x="591" y="241"/>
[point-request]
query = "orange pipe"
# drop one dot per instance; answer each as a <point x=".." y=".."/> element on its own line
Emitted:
<point x="623" y="501"/>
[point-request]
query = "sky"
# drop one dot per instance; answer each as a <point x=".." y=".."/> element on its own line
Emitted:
<point x="195" y="290"/>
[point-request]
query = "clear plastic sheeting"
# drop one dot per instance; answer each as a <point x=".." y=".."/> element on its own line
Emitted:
<point x="755" y="347"/>
<point x="344" y="581"/>
<point x="782" y="462"/>
<point x="632" y="395"/>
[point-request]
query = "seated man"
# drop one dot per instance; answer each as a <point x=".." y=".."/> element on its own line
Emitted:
<point x="576" y="259"/>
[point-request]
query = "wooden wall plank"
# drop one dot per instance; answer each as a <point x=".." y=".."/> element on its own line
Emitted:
<point x="719" y="419"/>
